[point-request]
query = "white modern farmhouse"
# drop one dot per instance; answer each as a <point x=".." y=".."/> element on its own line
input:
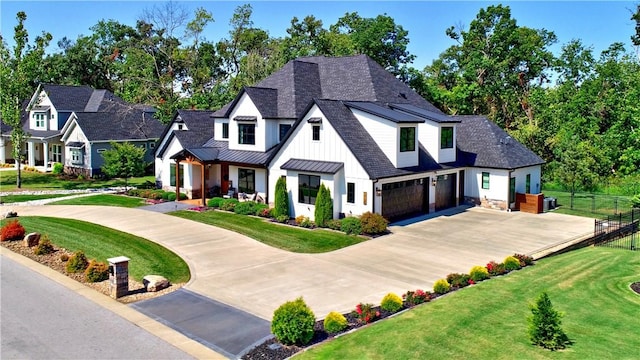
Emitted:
<point x="347" y="123"/>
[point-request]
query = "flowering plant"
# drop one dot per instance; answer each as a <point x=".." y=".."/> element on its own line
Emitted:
<point x="471" y="282"/>
<point x="419" y="296"/>
<point x="366" y="313"/>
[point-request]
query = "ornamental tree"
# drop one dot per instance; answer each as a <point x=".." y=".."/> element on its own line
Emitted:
<point x="324" y="207"/>
<point x="544" y="325"/>
<point x="123" y="160"/>
<point x="281" y="206"/>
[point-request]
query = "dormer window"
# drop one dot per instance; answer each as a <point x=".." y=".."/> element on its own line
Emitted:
<point x="407" y="139"/>
<point x="446" y="138"/>
<point x="40" y="119"/>
<point x="247" y="134"/>
<point x="316" y="132"/>
<point x="225" y="130"/>
<point x="180" y="126"/>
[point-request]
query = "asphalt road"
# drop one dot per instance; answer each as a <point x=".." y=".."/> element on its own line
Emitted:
<point x="41" y="319"/>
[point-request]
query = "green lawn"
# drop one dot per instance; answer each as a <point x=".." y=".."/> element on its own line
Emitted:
<point x="47" y="181"/>
<point x="101" y="243"/>
<point x="103" y="200"/>
<point x="488" y="321"/>
<point x="589" y="205"/>
<point x="7" y="199"/>
<point x="280" y="236"/>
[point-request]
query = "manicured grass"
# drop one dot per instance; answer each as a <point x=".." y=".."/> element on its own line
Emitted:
<point x="103" y="200"/>
<point x="489" y="320"/>
<point x="280" y="236"/>
<point x="7" y="199"/>
<point x="589" y="205"/>
<point x="47" y="181"/>
<point x="99" y="242"/>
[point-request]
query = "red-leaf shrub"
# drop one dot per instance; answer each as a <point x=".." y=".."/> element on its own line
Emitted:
<point x="373" y="223"/>
<point x="12" y="230"/>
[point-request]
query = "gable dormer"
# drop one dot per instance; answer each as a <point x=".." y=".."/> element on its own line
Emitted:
<point x="42" y="113"/>
<point x="437" y="132"/>
<point x="396" y="133"/>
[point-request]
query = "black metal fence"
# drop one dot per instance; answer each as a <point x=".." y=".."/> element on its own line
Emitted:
<point x="619" y="231"/>
<point x="593" y="203"/>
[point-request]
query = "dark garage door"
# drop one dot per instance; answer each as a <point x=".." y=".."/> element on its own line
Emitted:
<point x="445" y="192"/>
<point x="405" y="198"/>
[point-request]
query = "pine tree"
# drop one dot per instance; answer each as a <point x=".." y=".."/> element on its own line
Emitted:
<point x="282" y="198"/>
<point x="324" y="206"/>
<point x="544" y="325"/>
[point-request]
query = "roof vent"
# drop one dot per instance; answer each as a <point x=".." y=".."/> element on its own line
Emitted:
<point x="402" y="95"/>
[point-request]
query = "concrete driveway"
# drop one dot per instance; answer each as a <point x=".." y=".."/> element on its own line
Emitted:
<point x="251" y="276"/>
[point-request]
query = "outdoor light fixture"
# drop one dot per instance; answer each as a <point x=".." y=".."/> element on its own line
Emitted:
<point x="378" y="191"/>
<point x="434" y="181"/>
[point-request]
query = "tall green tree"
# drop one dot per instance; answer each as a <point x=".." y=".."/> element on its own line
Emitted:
<point x="281" y="203"/>
<point x="544" y="325"/>
<point x="19" y="74"/>
<point x="323" y="207"/>
<point x="123" y="160"/>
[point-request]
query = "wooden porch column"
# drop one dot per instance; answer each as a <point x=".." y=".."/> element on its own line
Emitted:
<point x="203" y="191"/>
<point x="177" y="180"/>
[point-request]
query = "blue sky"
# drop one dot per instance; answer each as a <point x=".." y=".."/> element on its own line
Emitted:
<point x="598" y="24"/>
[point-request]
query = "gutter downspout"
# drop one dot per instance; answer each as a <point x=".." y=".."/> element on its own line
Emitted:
<point x="509" y="192"/>
<point x="373" y="197"/>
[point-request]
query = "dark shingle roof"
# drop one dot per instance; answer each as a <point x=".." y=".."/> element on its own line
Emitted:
<point x="384" y="112"/>
<point x="80" y="98"/>
<point x="482" y="143"/>
<point x="266" y="100"/>
<point x="128" y="123"/>
<point x="425" y="114"/>
<point x="315" y="166"/>
<point x="200" y="129"/>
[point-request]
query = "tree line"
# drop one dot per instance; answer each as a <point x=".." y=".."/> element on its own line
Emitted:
<point x="578" y="110"/>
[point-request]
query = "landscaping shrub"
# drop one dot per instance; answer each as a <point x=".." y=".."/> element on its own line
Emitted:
<point x="44" y="246"/>
<point x="525" y="260"/>
<point x="365" y="313"/>
<point x="147" y="185"/>
<point x="96" y="272"/>
<point x="265" y="212"/>
<point x="441" y="287"/>
<point x="391" y="302"/>
<point x="544" y="325"/>
<point x="57" y="169"/>
<point x="229" y="204"/>
<point x="351" y="225"/>
<point x="64" y="257"/>
<point x="172" y="196"/>
<point x="458" y="280"/>
<point x="511" y="263"/>
<point x="299" y="219"/>
<point x="283" y="219"/>
<point x="245" y="208"/>
<point x="12" y="230"/>
<point x="324" y="206"/>
<point x="281" y="200"/>
<point x="78" y="262"/>
<point x="165" y="195"/>
<point x="334" y="224"/>
<point x="134" y="192"/>
<point x="306" y="223"/>
<point x="215" y="202"/>
<point x="495" y="269"/>
<point x="478" y="273"/>
<point x="373" y="223"/>
<point x="413" y="298"/>
<point x="258" y="208"/>
<point x="293" y="323"/>
<point x="335" y="322"/>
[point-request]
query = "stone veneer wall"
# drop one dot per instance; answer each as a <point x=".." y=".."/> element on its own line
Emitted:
<point x="486" y="203"/>
<point x="73" y="170"/>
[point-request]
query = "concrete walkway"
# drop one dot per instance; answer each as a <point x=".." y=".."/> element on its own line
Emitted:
<point x="257" y="278"/>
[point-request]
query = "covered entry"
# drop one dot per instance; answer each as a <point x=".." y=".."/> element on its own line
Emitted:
<point x="445" y="191"/>
<point x="405" y="198"/>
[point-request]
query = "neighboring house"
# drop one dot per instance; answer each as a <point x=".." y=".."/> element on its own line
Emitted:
<point x="73" y="125"/>
<point x="345" y="122"/>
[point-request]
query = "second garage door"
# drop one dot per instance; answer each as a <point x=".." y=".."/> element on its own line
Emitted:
<point x="405" y="198"/>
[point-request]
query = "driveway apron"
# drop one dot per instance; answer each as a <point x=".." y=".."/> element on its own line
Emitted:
<point x="223" y="328"/>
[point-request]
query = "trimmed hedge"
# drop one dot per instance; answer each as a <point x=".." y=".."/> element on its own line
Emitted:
<point x="293" y="323"/>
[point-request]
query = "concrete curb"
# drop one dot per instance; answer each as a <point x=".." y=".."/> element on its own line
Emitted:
<point x="154" y="327"/>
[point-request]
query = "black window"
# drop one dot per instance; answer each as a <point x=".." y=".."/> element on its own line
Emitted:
<point x="225" y="130"/>
<point x="172" y="175"/>
<point x="316" y="132"/>
<point x="446" y="138"/>
<point x="512" y="190"/>
<point x="284" y="129"/>
<point x="246" y="181"/>
<point x="485" y="180"/>
<point x="527" y="184"/>
<point x="351" y="193"/>
<point x="247" y="134"/>
<point x="407" y="139"/>
<point x="308" y="186"/>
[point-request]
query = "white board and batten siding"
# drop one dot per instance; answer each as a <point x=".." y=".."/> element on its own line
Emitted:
<point x="164" y="164"/>
<point x="260" y="177"/>
<point x="498" y="184"/>
<point x="246" y="107"/>
<point x="75" y="134"/>
<point x="521" y="179"/>
<point x="217" y="129"/>
<point x="429" y="136"/>
<point x="330" y="147"/>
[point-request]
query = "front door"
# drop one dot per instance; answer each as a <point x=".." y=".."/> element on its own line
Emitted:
<point x="224" y="181"/>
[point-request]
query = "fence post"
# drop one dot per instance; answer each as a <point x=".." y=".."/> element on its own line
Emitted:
<point x="615" y="205"/>
<point x="593" y="203"/>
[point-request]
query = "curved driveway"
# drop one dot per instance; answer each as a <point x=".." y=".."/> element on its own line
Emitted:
<point x="257" y="278"/>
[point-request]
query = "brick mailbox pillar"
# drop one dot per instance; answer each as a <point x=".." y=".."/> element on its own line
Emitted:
<point x="118" y="276"/>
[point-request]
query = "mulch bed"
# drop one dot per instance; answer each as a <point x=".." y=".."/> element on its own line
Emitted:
<point x="636" y="287"/>
<point x="137" y="290"/>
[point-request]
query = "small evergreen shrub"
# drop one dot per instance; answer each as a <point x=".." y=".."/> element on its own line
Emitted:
<point x="413" y="298"/>
<point x="281" y="202"/>
<point x="306" y="223"/>
<point x="183" y="196"/>
<point x="96" y="271"/>
<point x="229" y="204"/>
<point x="165" y="195"/>
<point x="458" y="280"/>
<point x="525" y="260"/>
<point x="334" y="224"/>
<point x="335" y="322"/>
<point x="391" y="302"/>
<point x="351" y="226"/>
<point x="215" y="202"/>
<point x="44" y="246"/>
<point x="171" y="197"/>
<point x="282" y="219"/>
<point x="373" y="223"/>
<point x="478" y="273"/>
<point x="365" y="313"/>
<point x="544" y="325"/>
<point x="57" y="169"/>
<point x="12" y="230"/>
<point x="245" y="208"/>
<point x="258" y="208"/>
<point x="323" y="207"/>
<point x="511" y="263"/>
<point x="78" y="262"/>
<point x="293" y="323"/>
<point x="266" y="212"/>
<point x="495" y="268"/>
<point x="441" y="287"/>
